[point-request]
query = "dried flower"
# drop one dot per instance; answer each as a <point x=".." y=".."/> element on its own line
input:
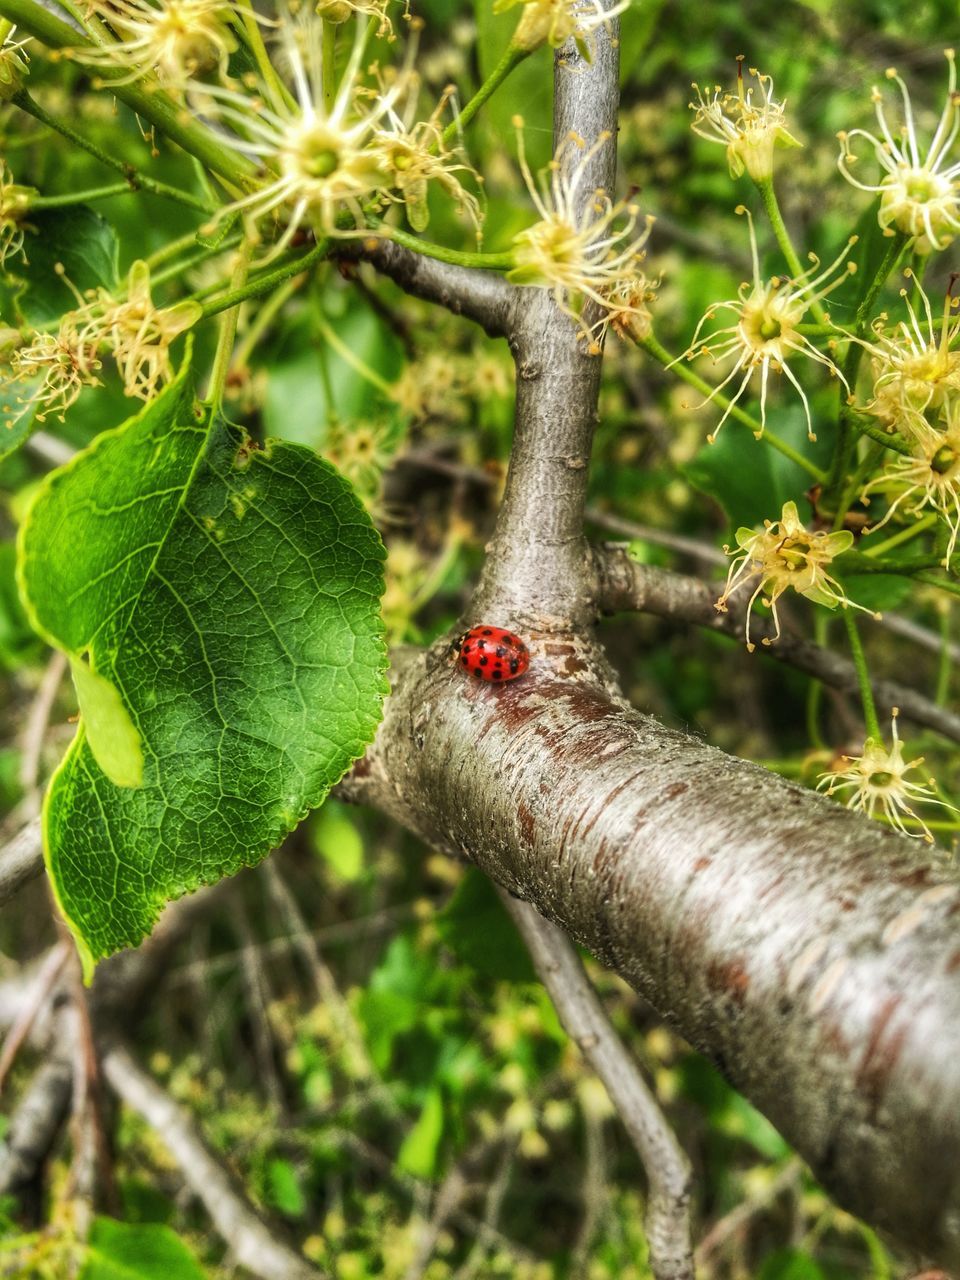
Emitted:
<point x="877" y="779"/>
<point x="749" y="130"/>
<point x="919" y="194"/>
<point x="584" y="247"/>
<point x="782" y="555"/>
<point x="56" y="367"/>
<point x="765" y="335"/>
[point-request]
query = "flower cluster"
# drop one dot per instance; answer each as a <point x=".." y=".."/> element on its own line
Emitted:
<point x="919" y="191"/>
<point x="916" y="393"/>
<point x="765" y="334"/>
<point x="784" y="555"/>
<point x="585" y="247"/>
<point x="55" y="367"/>
<point x="335" y="161"/>
<point x="749" y="123"/>
<point x="877" y="780"/>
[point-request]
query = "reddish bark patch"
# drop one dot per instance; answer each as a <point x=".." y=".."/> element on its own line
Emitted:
<point x="913" y="879"/>
<point x="953" y="963"/>
<point x="729" y="978"/>
<point x="701" y="864"/>
<point x="572" y="664"/>
<point x="675" y="789"/>
<point x="882" y="1054"/>
<point x="525" y="819"/>
<point x="847" y="904"/>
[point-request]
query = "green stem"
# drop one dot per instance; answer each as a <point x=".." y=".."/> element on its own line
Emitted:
<point x="821" y="628"/>
<point x="264" y="283"/>
<point x="81" y="197"/>
<point x="332" y="339"/>
<point x="253" y="38"/>
<point x="863" y="677"/>
<point x="887" y="265"/>
<point x="905" y="535"/>
<point x="264" y="319"/>
<point x="134" y="179"/>
<point x="145" y="97"/>
<point x="483" y="261"/>
<point x="855" y="484"/>
<point x="228" y="329"/>
<point x="950" y="585"/>
<point x="769" y="197"/>
<point x="653" y="347"/>
<point x="512" y="58"/>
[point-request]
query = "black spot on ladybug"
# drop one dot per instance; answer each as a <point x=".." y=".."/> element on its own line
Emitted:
<point x="501" y="651"/>
<point x="498" y="674"/>
<point x="477" y="672"/>
<point x="484" y="661"/>
<point x="513" y="666"/>
<point x="487" y="632"/>
<point x="465" y="661"/>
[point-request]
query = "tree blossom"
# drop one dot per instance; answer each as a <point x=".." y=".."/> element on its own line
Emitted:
<point x="877" y="780"/>
<point x="764" y="335"/>
<point x="919" y="191"/>
<point x="750" y="130"/>
<point x="784" y="555"/>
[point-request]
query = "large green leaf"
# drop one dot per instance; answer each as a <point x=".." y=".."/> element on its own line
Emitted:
<point x="219" y="604"/>
<point x="140" y="1251"/>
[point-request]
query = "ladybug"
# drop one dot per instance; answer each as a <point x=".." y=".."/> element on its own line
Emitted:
<point x="490" y="653"/>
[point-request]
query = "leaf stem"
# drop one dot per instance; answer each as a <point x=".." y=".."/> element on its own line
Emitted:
<point x="512" y="57"/>
<point x="905" y="535"/>
<point x="863" y="677"/>
<point x="483" y="261"/>
<point x="328" y="55"/>
<point x="264" y="283"/>
<point x="333" y="339"/>
<point x="228" y="329"/>
<point x="133" y="177"/>
<point x="653" y="347"/>
<point x="770" y="203"/>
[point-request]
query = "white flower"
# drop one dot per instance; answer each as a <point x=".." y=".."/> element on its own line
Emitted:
<point x="877" y="779"/>
<point x="177" y="39"/>
<point x="749" y="130"/>
<point x="919" y="193"/>
<point x="764" y="336"/>
<point x="914" y="367"/>
<point x="585" y="246"/>
<point x="929" y="478"/>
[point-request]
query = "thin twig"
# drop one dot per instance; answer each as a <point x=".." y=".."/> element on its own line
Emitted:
<point x="667" y="1219"/>
<point x="624" y="584"/>
<point x="35" y="730"/>
<point x="21" y="859"/>
<point x="19" y="1031"/>
<point x="234" y="1218"/>
<point x="754" y="1204"/>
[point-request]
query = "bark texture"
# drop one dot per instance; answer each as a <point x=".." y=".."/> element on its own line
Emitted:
<point x="811" y="955"/>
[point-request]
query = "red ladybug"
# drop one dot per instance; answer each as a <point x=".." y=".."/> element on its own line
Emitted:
<point x="490" y="653"/>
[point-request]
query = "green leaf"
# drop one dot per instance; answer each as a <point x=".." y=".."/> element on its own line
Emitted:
<point x="420" y="1148"/>
<point x="337" y="840"/>
<point x="76" y="239"/>
<point x="790" y="1264"/>
<point x="475" y="926"/>
<point x="147" y="1251"/>
<point x="16" y="416"/>
<point x="877" y="591"/>
<point x="220" y="607"/>
<point x="285" y="1192"/>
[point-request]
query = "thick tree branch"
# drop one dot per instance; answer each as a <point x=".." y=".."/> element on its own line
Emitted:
<point x="235" y="1219"/>
<point x="667" y="1216"/>
<point x="811" y="954"/>
<point x="624" y="584"/>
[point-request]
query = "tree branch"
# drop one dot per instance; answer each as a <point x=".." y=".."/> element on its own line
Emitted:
<point x="482" y="296"/>
<point x="667" y="1216"/>
<point x="623" y="584"/>
<point x="808" y="952"/>
<point x="21" y="859"/>
<point x="233" y="1216"/>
